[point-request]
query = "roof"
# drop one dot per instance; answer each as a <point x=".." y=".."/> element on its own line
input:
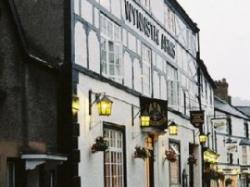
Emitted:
<point x="178" y="8"/>
<point x="245" y="142"/>
<point x="244" y="109"/>
<point x="225" y="107"/>
<point x="206" y="73"/>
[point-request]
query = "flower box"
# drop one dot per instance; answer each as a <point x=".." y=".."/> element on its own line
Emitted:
<point x="100" y="145"/>
<point x="171" y="155"/>
<point x="141" y="152"/>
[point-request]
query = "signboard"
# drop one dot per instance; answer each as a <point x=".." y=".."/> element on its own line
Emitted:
<point x="232" y="148"/>
<point x="145" y="24"/>
<point x="157" y="110"/>
<point x="219" y="122"/>
<point x="197" y="118"/>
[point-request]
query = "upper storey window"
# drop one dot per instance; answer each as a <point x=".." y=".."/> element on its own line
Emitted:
<point x="146" y="69"/>
<point x="111" y="50"/>
<point x="144" y="3"/>
<point x="172" y="86"/>
<point x="169" y="19"/>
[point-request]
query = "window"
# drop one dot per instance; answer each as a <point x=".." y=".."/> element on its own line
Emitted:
<point x="111" y="50"/>
<point x="229" y="126"/>
<point x="145" y="4"/>
<point x="11" y="174"/>
<point x="246" y="130"/>
<point x="230" y="158"/>
<point x="149" y="162"/>
<point x="244" y="155"/>
<point x="146" y="70"/>
<point x="169" y="19"/>
<point x="172" y="86"/>
<point x="174" y="167"/>
<point x="114" y="159"/>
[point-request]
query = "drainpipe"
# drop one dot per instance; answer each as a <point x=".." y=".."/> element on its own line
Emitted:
<point x="200" y="106"/>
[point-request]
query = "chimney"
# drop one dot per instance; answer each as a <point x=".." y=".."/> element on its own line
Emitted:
<point x="221" y="90"/>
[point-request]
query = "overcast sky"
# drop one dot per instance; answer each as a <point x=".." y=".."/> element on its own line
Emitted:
<point x="225" y="40"/>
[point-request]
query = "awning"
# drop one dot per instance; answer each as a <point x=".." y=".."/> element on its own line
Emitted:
<point x="33" y="160"/>
<point x="245" y="142"/>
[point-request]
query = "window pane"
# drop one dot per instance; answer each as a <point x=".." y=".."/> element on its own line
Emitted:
<point x="113" y="159"/>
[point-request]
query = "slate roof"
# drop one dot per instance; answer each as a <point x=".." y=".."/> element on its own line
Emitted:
<point x="223" y="106"/>
<point x="244" y="109"/>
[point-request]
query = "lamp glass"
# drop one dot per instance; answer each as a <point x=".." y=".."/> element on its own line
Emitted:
<point x="145" y="121"/>
<point x="104" y="106"/>
<point x="203" y="138"/>
<point x="75" y="104"/>
<point x="173" y="129"/>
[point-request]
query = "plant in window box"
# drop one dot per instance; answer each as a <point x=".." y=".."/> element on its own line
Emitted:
<point x="192" y="160"/>
<point x="101" y="144"/>
<point x="171" y="155"/>
<point x="141" y="152"/>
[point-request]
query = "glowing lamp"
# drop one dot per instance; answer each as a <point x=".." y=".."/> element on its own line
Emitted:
<point x="75" y="104"/>
<point x="203" y="138"/>
<point x="104" y="106"/>
<point x="173" y="129"/>
<point x="145" y="121"/>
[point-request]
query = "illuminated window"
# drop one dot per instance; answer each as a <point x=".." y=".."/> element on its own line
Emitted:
<point x="113" y="159"/>
<point x="111" y="50"/>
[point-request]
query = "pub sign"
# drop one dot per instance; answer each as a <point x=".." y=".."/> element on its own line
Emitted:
<point x="197" y="118"/>
<point x="157" y="110"/>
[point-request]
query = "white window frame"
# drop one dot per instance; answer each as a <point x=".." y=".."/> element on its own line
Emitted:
<point x="244" y="154"/>
<point x="114" y="158"/>
<point x="173" y="87"/>
<point x="111" y="49"/>
<point x="146" y="69"/>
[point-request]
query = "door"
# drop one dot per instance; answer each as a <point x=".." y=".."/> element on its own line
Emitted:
<point x="149" y="162"/>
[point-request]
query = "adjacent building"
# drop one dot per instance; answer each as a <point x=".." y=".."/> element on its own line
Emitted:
<point x="231" y="139"/>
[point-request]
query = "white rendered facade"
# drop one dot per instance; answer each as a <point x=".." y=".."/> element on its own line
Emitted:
<point x="116" y="56"/>
<point x="232" y="143"/>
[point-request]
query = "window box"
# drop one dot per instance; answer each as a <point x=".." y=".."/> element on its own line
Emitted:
<point x="141" y="152"/>
<point x="100" y="145"/>
<point x="171" y="155"/>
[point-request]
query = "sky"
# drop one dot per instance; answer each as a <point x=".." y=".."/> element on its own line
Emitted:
<point x="225" y="40"/>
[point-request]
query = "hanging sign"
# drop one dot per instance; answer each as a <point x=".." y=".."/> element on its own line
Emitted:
<point x="157" y="110"/>
<point x="197" y="118"/>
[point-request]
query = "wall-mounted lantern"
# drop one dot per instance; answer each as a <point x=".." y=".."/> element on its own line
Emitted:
<point x="173" y="129"/>
<point x="145" y="121"/>
<point x="75" y="104"/>
<point x="203" y="138"/>
<point x="104" y="104"/>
